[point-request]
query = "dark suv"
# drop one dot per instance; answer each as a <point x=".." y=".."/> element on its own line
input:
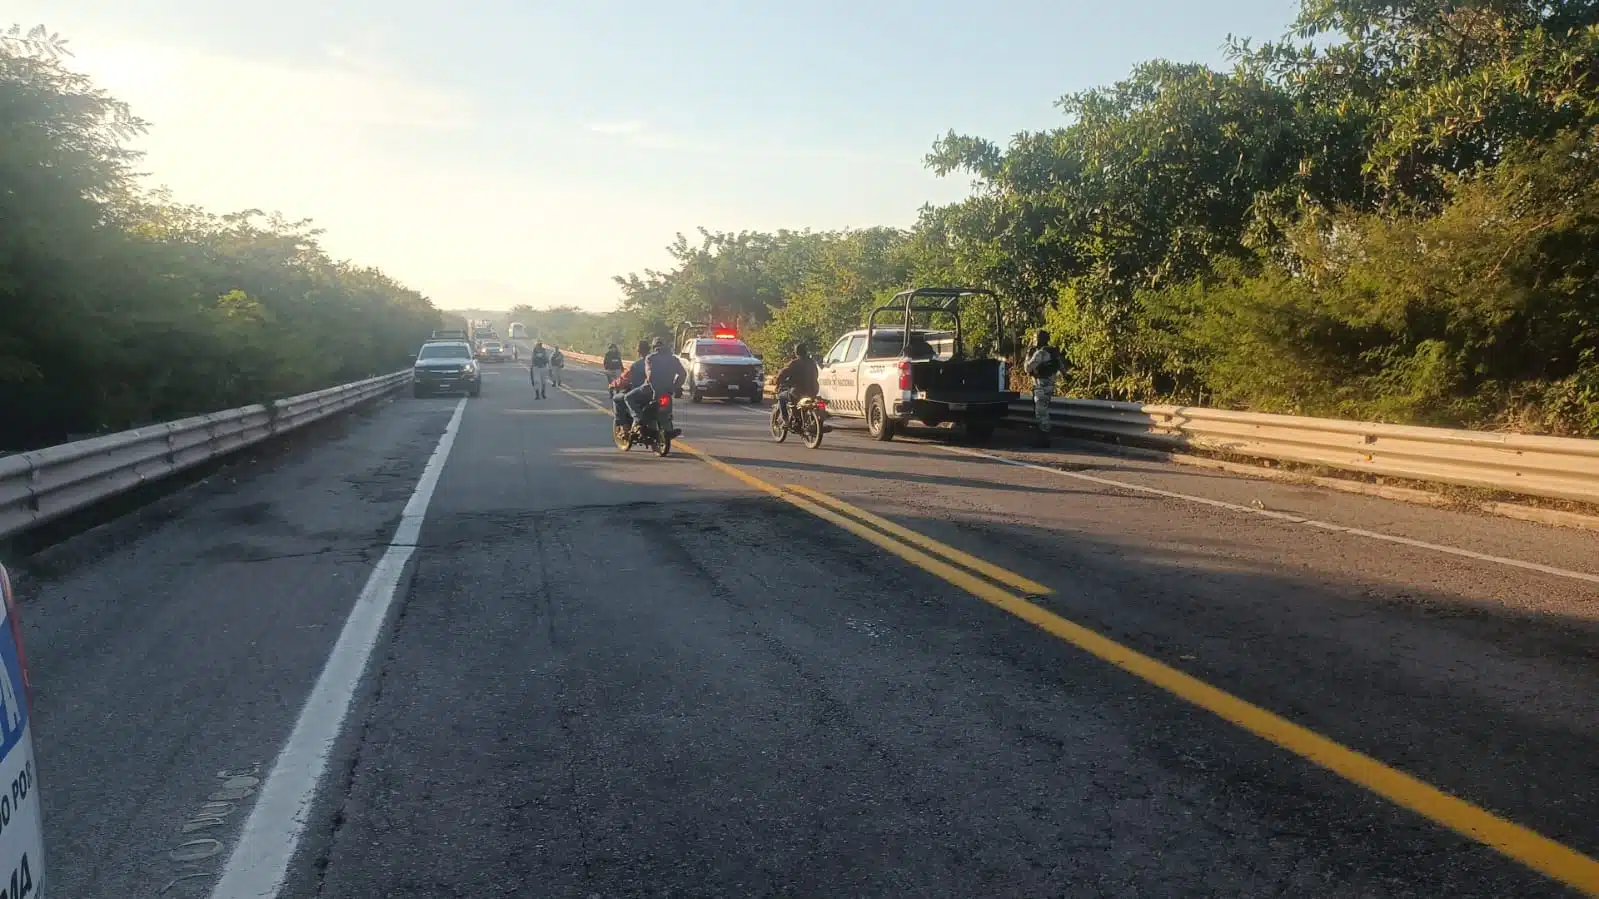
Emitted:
<point x="446" y="366"/>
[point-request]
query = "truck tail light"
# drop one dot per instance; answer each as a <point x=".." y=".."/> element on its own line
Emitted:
<point x="904" y="374"/>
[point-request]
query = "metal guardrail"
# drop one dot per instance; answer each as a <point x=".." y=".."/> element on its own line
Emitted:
<point x="1553" y="467"/>
<point x="41" y="485"/>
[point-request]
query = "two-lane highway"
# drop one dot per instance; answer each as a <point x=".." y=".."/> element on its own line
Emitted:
<point x="754" y="669"/>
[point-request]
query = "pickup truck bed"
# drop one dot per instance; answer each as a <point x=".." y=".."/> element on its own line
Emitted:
<point x="965" y="390"/>
<point x="963" y="378"/>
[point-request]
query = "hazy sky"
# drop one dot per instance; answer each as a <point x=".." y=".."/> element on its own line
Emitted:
<point x="504" y="151"/>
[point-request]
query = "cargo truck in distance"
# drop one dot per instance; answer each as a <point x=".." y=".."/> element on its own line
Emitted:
<point x="891" y="374"/>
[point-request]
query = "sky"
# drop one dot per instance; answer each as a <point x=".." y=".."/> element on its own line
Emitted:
<point x="502" y="152"/>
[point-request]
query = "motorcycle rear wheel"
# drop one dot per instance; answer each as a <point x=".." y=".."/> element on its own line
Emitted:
<point x="811" y="428"/>
<point x="779" y="427"/>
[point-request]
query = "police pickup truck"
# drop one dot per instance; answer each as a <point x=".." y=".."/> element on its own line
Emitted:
<point x="720" y="364"/>
<point x="893" y="373"/>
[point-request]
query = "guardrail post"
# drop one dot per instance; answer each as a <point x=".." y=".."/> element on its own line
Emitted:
<point x="272" y="414"/>
<point x="33" y="487"/>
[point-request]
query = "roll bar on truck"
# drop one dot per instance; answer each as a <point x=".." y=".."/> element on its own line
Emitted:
<point x="890" y="374"/>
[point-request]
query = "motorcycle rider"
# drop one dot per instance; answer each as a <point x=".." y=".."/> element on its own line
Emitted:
<point x="663" y="374"/>
<point x="557" y="363"/>
<point x="1043" y="365"/>
<point x="621" y="385"/>
<point x="538" y="369"/>
<point x="797" y="380"/>
<point x="612" y="363"/>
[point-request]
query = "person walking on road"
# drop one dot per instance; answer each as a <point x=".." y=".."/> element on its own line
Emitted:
<point x="1043" y="365"/>
<point x="538" y="370"/>
<point x="557" y="363"/>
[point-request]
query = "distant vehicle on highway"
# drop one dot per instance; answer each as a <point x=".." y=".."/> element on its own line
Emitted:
<point x="494" y="351"/>
<point x="720" y="364"/>
<point x="892" y="373"/>
<point x="446" y="367"/>
<point x="450" y="334"/>
<point x="518" y="331"/>
<point x="22" y="864"/>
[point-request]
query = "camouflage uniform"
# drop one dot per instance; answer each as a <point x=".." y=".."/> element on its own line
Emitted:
<point x="1043" y="392"/>
<point x="1043" y="386"/>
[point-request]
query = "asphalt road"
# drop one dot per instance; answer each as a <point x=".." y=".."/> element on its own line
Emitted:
<point x="608" y="674"/>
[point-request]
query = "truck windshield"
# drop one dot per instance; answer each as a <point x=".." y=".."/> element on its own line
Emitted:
<point x="444" y="351"/>
<point x="721" y="348"/>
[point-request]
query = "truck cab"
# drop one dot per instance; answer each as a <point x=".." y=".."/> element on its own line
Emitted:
<point x="893" y="371"/>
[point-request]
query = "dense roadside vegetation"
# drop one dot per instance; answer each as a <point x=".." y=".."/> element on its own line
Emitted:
<point x="1391" y="214"/>
<point x="119" y="307"/>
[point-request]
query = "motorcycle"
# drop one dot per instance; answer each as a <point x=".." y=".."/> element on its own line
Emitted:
<point x="653" y="429"/>
<point x="805" y="417"/>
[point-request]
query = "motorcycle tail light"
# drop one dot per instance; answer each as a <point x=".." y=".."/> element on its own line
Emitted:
<point x="666" y="400"/>
<point x="821" y="404"/>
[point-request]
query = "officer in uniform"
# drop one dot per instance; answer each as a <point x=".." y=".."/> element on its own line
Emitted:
<point x="1043" y="365"/>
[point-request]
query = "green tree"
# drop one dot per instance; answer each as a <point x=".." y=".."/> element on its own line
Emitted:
<point x="119" y="307"/>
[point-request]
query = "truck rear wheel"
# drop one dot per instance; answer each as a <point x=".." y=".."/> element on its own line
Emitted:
<point x="878" y="424"/>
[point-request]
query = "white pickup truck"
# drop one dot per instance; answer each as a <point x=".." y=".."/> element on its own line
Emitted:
<point x="896" y="374"/>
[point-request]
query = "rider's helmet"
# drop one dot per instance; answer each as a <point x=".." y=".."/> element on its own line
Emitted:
<point x="800" y="349"/>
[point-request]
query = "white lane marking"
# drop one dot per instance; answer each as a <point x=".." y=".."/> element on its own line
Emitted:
<point x="1291" y="518"/>
<point x="260" y="861"/>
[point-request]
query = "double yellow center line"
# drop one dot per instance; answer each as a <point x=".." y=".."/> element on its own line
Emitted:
<point x="984" y="580"/>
